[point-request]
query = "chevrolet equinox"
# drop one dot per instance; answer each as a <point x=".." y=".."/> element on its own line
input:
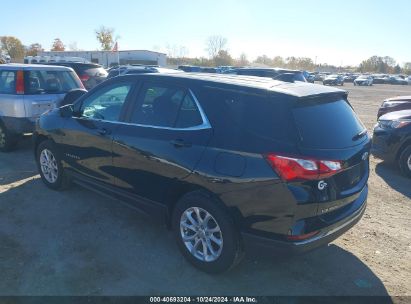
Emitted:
<point x="229" y="163"/>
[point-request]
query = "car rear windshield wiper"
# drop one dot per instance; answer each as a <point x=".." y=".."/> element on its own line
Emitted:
<point x="359" y="135"/>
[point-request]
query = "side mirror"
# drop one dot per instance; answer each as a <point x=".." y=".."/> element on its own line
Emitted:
<point x="72" y="96"/>
<point x="67" y="111"/>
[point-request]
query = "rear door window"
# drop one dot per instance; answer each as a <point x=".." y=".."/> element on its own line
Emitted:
<point x="50" y="82"/>
<point x="166" y="106"/>
<point x="327" y="125"/>
<point x="247" y="121"/>
<point x="7" y="82"/>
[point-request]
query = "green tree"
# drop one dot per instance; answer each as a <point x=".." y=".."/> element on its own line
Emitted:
<point x="58" y="45"/>
<point x="105" y="37"/>
<point x="278" y="61"/>
<point x="263" y="59"/>
<point x="12" y="46"/>
<point x="223" y="58"/>
<point x="34" y="49"/>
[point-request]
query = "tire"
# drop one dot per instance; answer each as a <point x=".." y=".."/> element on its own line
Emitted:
<point x="404" y="161"/>
<point x="51" y="170"/>
<point x="8" y="140"/>
<point x="228" y="254"/>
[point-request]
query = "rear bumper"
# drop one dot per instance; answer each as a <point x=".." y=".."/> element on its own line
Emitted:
<point x="264" y="246"/>
<point x="18" y="125"/>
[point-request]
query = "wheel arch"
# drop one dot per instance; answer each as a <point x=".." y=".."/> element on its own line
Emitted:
<point x="402" y="148"/>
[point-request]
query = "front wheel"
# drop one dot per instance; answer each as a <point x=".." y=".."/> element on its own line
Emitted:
<point x="404" y="162"/>
<point x="206" y="234"/>
<point x="50" y="167"/>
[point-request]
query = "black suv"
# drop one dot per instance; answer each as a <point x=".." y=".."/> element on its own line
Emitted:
<point x="230" y="163"/>
<point x="90" y="74"/>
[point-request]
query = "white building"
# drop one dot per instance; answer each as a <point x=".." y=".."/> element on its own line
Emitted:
<point x="109" y="58"/>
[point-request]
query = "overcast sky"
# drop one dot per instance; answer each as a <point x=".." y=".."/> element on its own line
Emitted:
<point x="335" y="32"/>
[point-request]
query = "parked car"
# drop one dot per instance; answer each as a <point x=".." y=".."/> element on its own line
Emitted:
<point x="128" y="70"/>
<point x="397" y="80"/>
<point x="392" y="139"/>
<point x="350" y="78"/>
<point x="90" y="74"/>
<point x="208" y="70"/>
<point x="334" y="80"/>
<point x="275" y="73"/>
<point x="394" y="104"/>
<point x="380" y="80"/>
<point x="228" y="163"/>
<point x="363" y="80"/>
<point x="26" y="91"/>
<point x="189" y="68"/>
<point x="310" y="77"/>
<point x="409" y="79"/>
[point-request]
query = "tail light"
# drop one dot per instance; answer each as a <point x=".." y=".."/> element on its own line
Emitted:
<point x="292" y="168"/>
<point x="84" y="77"/>
<point x="20" y="82"/>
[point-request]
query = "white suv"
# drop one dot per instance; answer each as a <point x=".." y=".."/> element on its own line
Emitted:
<point x="26" y="92"/>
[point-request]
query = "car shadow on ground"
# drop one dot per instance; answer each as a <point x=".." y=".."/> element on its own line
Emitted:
<point x="77" y="242"/>
<point x="393" y="177"/>
<point x="17" y="164"/>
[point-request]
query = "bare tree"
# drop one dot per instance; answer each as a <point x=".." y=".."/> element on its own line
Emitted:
<point x="215" y="44"/>
<point x="73" y="46"/>
<point x="243" y="60"/>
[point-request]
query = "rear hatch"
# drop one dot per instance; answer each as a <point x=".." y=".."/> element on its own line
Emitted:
<point x="329" y="130"/>
<point x="45" y="89"/>
<point x="91" y="75"/>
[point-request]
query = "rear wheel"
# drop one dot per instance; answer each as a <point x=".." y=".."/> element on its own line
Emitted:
<point x="404" y="161"/>
<point x="206" y="234"/>
<point x="50" y="167"/>
<point x="8" y="140"/>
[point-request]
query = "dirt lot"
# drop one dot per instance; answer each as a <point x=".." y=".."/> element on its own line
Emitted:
<point x="79" y="243"/>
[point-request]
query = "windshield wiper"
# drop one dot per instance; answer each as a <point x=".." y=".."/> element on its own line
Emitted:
<point x="359" y="135"/>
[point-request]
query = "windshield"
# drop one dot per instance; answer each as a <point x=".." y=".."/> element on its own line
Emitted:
<point x="327" y="125"/>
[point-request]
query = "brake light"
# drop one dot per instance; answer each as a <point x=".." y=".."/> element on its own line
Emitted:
<point x="292" y="168"/>
<point x="84" y="77"/>
<point x="20" y="83"/>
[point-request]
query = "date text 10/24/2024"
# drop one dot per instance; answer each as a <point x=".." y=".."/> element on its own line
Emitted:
<point x="203" y="299"/>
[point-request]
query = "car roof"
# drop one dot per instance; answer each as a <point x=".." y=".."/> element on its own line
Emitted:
<point x="297" y="89"/>
<point x="26" y="67"/>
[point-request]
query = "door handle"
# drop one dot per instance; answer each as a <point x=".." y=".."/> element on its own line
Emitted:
<point x="180" y="143"/>
<point x="103" y="131"/>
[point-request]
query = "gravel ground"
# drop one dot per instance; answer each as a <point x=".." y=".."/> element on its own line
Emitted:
<point x="79" y="243"/>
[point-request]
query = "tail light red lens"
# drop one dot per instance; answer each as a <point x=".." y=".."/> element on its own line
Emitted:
<point x="84" y="77"/>
<point x="291" y="168"/>
<point x="20" y="82"/>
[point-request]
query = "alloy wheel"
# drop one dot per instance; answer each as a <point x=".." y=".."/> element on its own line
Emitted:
<point x="48" y="165"/>
<point x="201" y="234"/>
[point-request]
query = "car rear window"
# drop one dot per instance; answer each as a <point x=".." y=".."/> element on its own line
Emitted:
<point x="7" y="82"/>
<point x="50" y="82"/>
<point x="327" y="125"/>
